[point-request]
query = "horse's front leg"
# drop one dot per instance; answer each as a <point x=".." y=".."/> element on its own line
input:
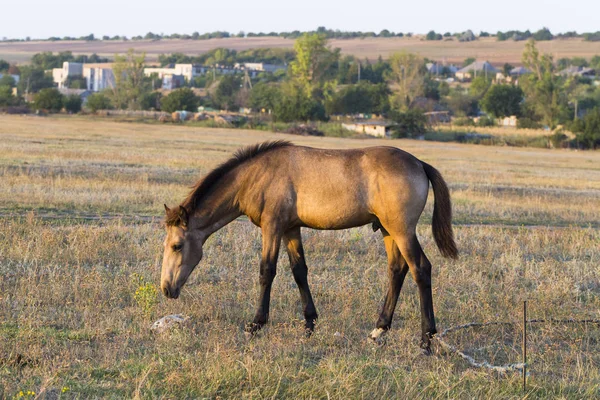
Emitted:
<point x="271" y="240"/>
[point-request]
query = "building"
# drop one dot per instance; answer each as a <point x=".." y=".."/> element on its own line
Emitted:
<point x="263" y="67"/>
<point x="377" y="128"/>
<point x="172" y="81"/>
<point x="69" y="69"/>
<point x="188" y="71"/>
<point x="439" y="69"/>
<point x="99" y="77"/>
<point x="477" y="68"/>
<point x="578" y="71"/>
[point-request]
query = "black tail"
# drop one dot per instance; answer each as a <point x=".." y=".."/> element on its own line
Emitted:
<point x="442" y="213"/>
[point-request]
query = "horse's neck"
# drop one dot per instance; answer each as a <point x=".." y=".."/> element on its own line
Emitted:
<point x="219" y="208"/>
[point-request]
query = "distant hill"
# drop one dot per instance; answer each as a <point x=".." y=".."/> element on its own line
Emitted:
<point x="452" y="51"/>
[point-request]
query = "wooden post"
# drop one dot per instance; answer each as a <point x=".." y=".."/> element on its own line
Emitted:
<point x="524" y="345"/>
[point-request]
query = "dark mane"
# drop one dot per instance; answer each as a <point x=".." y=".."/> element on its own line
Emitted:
<point x="203" y="185"/>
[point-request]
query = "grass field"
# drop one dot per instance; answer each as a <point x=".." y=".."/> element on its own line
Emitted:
<point x="81" y="203"/>
<point x="450" y="51"/>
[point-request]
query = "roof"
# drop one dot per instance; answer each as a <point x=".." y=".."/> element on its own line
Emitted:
<point x="374" y="123"/>
<point x="478" y="66"/>
<point x="519" y="71"/>
<point x="573" y="70"/>
<point x="76" y="92"/>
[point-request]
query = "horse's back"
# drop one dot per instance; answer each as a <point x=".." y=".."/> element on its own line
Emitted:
<point x="338" y="189"/>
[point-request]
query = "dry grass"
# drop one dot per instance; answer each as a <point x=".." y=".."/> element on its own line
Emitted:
<point x="450" y="51"/>
<point x="69" y="319"/>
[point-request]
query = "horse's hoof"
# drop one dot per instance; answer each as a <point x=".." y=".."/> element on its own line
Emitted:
<point x="378" y="336"/>
<point x="252" y="328"/>
<point x="426" y="351"/>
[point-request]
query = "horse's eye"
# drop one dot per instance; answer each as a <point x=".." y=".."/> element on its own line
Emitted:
<point x="177" y="247"/>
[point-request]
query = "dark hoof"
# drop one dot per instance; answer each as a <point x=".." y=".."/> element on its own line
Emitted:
<point x="252" y="328"/>
<point x="426" y="351"/>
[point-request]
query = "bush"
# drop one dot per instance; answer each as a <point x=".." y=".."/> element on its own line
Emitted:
<point x="297" y="107"/>
<point x="411" y="123"/>
<point x="180" y="100"/>
<point x="98" y="101"/>
<point x="587" y="130"/>
<point x="49" y="99"/>
<point x="463" y="122"/>
<point x="72" y="104"/>
<point x="6" y="97"/>
<point x="486" y="122"/>
<point x="528" y="123"/>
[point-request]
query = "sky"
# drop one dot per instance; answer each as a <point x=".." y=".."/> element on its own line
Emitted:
<point x="43" y="18"/>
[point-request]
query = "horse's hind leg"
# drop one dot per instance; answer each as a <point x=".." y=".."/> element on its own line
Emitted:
<point x="293" y="242"/>
<point x="420" y="269"/>
<point x="397" y="269"/>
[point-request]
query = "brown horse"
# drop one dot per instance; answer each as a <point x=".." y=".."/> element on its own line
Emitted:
<point x="282" y="188"/>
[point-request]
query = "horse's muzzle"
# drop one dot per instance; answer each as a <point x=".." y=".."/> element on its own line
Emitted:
<point x="169" y="292"/>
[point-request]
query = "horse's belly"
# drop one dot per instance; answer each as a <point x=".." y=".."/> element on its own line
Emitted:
<point x="333" y="213"/>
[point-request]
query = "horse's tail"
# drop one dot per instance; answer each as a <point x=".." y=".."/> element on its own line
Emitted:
<point x="442" y="213"/>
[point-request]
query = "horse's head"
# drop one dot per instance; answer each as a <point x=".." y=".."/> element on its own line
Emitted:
<point x="183" y="251"/>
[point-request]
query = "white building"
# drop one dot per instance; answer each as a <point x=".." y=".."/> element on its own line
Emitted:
<point x="99" y="77"/>
<point x="189" y="71"/>
<point x="263" y="67"/>
<point x="69" y="69"/>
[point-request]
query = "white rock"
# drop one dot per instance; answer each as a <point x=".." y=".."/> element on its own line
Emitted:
<point x="168" y="322"/>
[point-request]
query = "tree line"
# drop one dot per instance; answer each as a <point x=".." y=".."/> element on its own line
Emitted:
<point x="542" y="34"/>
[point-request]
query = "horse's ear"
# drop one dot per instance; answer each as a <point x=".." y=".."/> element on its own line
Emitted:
<point x="167" y="209"/>
<point x="183" y="215"/>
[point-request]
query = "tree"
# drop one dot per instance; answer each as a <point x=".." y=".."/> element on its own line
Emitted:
<point x="431" y="35"/>
<point x="506" y="69"/>
<point x="542" y="87"/>
<point x="72" y="103"/>
<point x="98" y="101"/>
<point x="224" y="95"/>
<point x="7" y="80"/>
<point x="362" y="98"/>
<point x="182" y="99"/>
<point x="6" y="97"/>
<point x="151" y="101"/>
<point x="503" y="101"/>
<point x="264" y="96"/>
<point x="4" y="65"/>
<point x="543" y="34"/>
<point x="479" y="86"/>
<point x="314" y="63"/>
<point x="407" y="74"/>
<point x="130" y="82"/>
<point x="294" y="105"/>
<point x="588" y="129"/>
<point x="49" y="99"/>
<point x="410" y="123"/>
<point x="33" y="80"/>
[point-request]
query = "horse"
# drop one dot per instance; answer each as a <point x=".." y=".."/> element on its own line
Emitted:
<point x="282" y="187"/>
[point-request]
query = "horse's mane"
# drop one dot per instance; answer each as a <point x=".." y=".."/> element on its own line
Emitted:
<point x="205" y="184"/>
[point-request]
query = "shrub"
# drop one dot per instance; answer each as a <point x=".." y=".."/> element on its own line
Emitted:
<point x="463" y="122"/>
<point x="411" y="123"/>
<point x="182" y="99"/>
<point x="72" y="104"/>
<point x="486" y="122"/>
<point x="528" y="123"/>
<point x="49" y="99"/>
<point x="587" y="130"/>
<point x="98" y="101"/>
